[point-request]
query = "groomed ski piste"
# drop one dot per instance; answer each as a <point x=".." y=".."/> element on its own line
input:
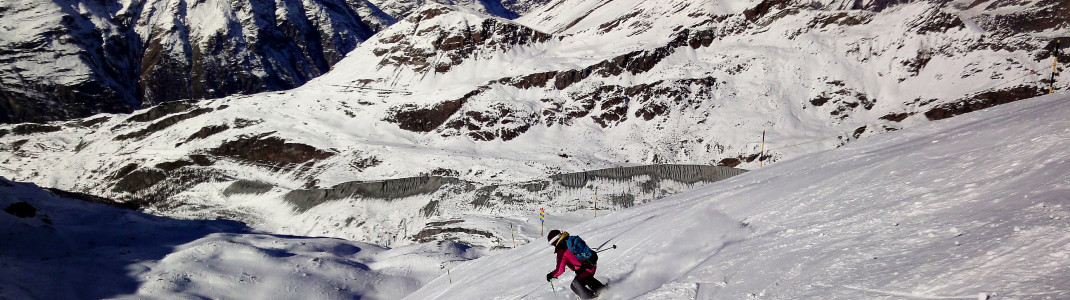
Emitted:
<point x="970" y="207"/>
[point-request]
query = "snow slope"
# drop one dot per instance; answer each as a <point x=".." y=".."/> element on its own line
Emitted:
<point x="69" y="249"/>
<point x="449" y="91"/>
<point x="970" y="207"/>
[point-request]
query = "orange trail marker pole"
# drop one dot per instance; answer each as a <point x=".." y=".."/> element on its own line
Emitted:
<point x="1054" y="65"/>
<point x="762" y="152"/>
<point x="595" y="203"/>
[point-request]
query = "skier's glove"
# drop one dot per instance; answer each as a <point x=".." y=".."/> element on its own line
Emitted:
<point x="549" y="276"/>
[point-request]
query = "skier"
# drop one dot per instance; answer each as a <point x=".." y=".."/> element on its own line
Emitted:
<point x="584" y="285"/>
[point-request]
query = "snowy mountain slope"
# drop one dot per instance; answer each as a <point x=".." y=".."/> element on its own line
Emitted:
<point x="73" y="58"/>
<point x="970" y="207"/>
<point x="645" y="21"/>
<point x="452" y="92"/>
<point x="132" y="158"/>
<point x="842" y="73"/>
<point x="61" y="248"/>
<point x="57" y="54"/>
<point x="509" y="9"/>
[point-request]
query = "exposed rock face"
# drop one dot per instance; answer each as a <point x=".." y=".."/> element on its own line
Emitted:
<point x="76" y="58"/>
<point x="139" y="180"/>
<point x="64" y="61"/>
<point x="423" y="119"/>
<point x="303" y="200"/>
<point x="21" y="210"/>
<point x="250" y="47"/>
<point x="247" y="187"/>
<point x="265" y="149"/>
<point x="162" y="124"/>
<point x="509" y="9"/>
<point x="983" y="100"/>
<point x="450" y="43"/>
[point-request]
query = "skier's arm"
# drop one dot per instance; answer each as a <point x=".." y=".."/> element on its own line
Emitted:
<point x="560" y="264"/>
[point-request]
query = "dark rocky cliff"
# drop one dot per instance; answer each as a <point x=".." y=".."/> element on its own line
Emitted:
<point x="72" y="59"/>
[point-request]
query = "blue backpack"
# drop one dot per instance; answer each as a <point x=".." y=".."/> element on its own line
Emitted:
<point x="579" y="248"/>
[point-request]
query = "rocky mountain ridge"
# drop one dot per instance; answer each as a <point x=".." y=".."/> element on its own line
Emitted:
<point x="76" y="58"/>
<point x="71" y="59"/>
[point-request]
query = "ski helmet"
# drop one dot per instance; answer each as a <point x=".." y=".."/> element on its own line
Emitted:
<point x="552" y="237"/>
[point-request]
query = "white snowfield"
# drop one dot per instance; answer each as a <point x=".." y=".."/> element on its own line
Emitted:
<point x="966" y="208"/>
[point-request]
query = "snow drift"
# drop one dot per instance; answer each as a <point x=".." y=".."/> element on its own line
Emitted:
<point x="55" y="247"/>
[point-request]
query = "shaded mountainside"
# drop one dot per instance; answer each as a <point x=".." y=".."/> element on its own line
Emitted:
<point x="73" y="58"/>
<point x="509" y="9"/>
<point x="70" y="59"/>
<point x="99" y="252"/>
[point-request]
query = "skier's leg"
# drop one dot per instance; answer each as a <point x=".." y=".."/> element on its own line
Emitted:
<point x="594" y="284"/>
<point x="580" y="289"/>
<point x="588" y="279"/>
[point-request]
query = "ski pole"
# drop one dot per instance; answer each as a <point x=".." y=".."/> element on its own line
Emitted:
<point x="600" y="251"/>
<point x="552" y="287"/>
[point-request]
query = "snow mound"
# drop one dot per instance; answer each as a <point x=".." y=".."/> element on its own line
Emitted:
<point x="59" y="248"/>
<point x="969" y="207"/>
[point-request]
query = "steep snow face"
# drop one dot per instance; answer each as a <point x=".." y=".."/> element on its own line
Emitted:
<point x="436" y="48"/>
<point x="372" y="15"/>
<point x="58" y="54"/>
<point x="76" y="58"/>
<point x="523" y="7"/>
<point x="970" y="207"/>
<point x="97" y="252"/>
<point x="509" y="9"/>
<point x="637" y="18"/>
<point x="218" y="48"/>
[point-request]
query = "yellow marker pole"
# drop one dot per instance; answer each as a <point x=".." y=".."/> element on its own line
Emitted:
<point x="1054" y="65"/>
<point x="512" y="235"/>
<point x="595" y="203"/>
<point x="448" y="274"/>
<point x="762" y="152"/>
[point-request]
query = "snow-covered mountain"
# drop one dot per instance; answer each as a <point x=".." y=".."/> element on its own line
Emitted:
<point x="509" y="9"/>
<point x="972" y="207"/>
<point x="68" y="59"/>
<point x="578" y="85"/>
